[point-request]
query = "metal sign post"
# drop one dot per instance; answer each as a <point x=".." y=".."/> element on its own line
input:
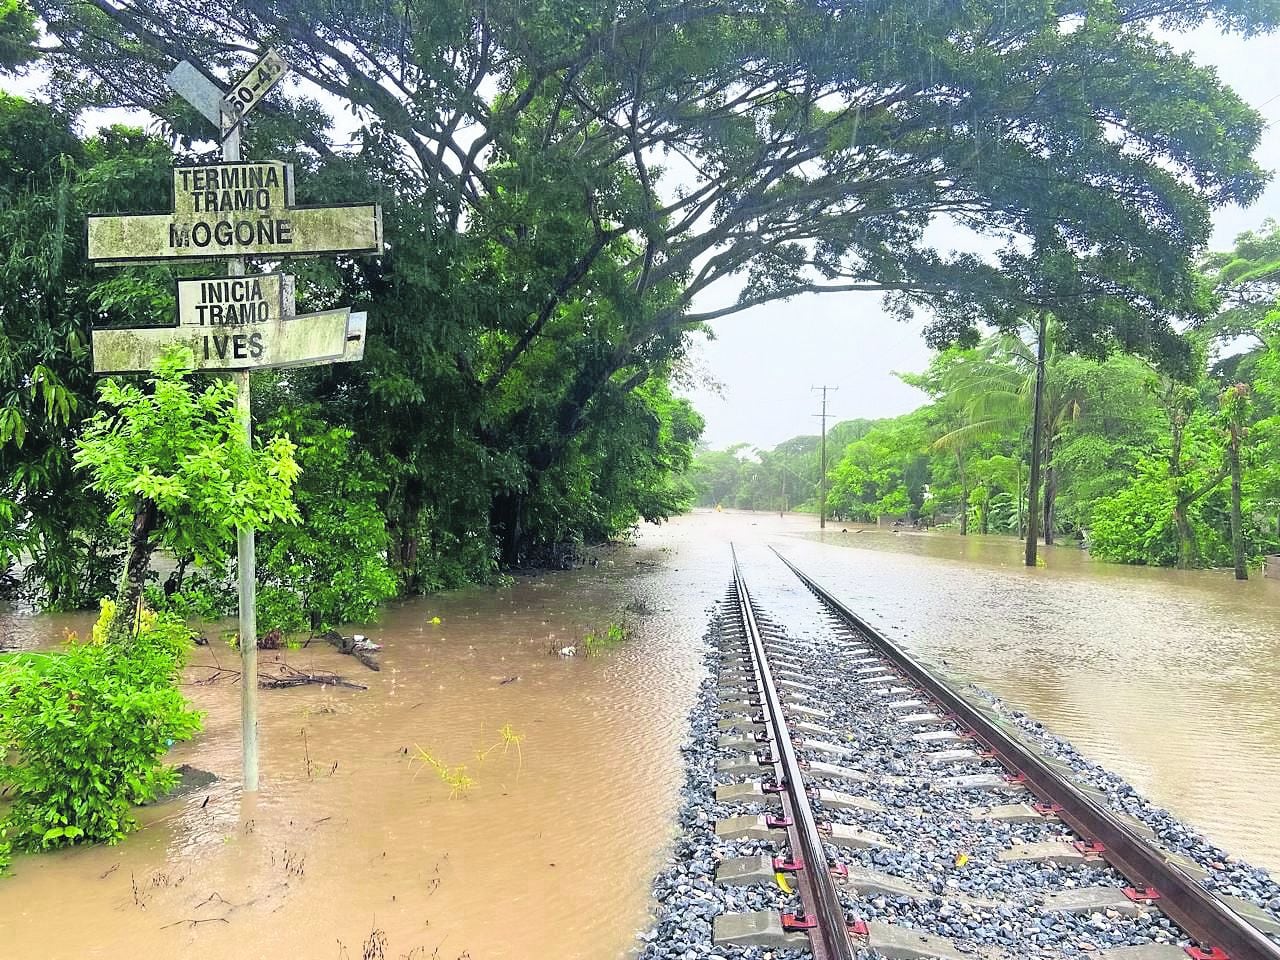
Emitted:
<point x="241" y="323"/>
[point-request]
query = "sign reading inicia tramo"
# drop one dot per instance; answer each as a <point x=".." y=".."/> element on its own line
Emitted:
<point x="236" y="323"/>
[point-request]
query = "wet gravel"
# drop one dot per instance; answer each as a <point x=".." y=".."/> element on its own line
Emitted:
<point x="985" y="906"/>
<point x="686" y="896"/>
<point x="1228" y="874"/>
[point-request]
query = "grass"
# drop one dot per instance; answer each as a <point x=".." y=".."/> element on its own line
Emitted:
<point x="457" y="777"/>
<point x="595" y="642"/>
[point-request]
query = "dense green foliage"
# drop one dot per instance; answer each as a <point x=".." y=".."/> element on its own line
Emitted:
<point x="329" y="567"/>
<point x="83" y="731"/>
<point x="183" y="450"/>
<point x="177" y="472"/>
<point x="560" y="182"/>
<point x="48" y="301"/>
<point x="784" y="478"/>
<point x="1143" y="466"/>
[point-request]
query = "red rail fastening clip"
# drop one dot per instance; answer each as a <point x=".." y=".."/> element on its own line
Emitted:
<point x="1213" y="953"/>
<point x="1047" y="809"/>
<point x="774" y="786"/>
<point x="788" y="866"/>
<point x="1016" y="778"/>
<point x="798" y="921"/>
<point x="858" y="928"/>
<point x="1138" y="896"/>
<point x="838" y="870"/>
<point x="1088" y="847"/>
<point x="774" y="823"/>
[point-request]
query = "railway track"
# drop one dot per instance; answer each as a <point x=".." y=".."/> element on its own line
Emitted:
<point x="876" y="811"/>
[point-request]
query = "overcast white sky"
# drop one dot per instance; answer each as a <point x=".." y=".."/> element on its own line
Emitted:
<point x="765" y="361"/>
<point x="768" y="358"/>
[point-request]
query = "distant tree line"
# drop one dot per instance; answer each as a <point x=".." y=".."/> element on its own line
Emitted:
<point x="1143" y="466"/>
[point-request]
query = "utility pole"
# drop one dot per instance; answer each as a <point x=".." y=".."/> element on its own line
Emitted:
<point x="1037" y="439"/>
<point x="822" y="495"/>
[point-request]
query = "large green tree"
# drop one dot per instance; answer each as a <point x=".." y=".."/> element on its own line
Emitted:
<point x="49" y="299"/>
<point x="813" y="143"/>
<point x="563" y="181"/>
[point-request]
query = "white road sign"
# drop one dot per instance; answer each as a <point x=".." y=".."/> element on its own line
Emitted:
<point x="235" y="210"/>
<point x="308" y="339"/>
<point x="236" y="323"/>
<point x="248" y="93"/>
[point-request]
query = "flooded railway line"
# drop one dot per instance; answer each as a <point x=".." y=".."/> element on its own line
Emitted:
<point x="845" y="801"/>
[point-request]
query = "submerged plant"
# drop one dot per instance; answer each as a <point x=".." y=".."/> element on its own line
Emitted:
<point x="595" y="642"/>
<point x="83" y="733"/>
<point x="507" y="738"/>
<point x="457" y="778"/>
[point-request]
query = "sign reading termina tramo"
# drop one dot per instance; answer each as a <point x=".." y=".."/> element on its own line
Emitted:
<point x="234" y="210"/>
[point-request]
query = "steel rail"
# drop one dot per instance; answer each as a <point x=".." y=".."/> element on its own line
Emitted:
<point x="829" y="938"/>
<point x="1221" y="932"/>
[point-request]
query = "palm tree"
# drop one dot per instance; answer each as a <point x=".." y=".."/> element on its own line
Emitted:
<point x="1006" y="384"/>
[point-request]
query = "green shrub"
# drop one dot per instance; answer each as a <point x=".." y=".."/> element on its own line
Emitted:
<point x="595" y="643"/>
<point x="1136" y="525"/>
<point x="201" y="598"/>
<point x="332" y="567"/>
<point x="82" y="734"/>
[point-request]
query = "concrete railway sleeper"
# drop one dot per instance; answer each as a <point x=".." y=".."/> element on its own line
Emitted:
<point x="865" y="809"/>
<point x="949" y="747"/>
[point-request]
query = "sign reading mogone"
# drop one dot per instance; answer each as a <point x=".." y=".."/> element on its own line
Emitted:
<point x="235" y="209"/>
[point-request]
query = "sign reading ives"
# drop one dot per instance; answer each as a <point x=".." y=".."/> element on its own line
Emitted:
<point x="232" y="210"/>
<point x="236" y="323"/>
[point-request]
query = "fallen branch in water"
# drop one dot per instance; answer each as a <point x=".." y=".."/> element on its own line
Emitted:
<point x="356" y="646"/>
<point x="278" y="676"/>
<point x="194" y="922"/>
<point x="282" y="675"/>
<point x="215" y="898"/>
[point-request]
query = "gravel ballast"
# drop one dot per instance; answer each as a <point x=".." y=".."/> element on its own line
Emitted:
<point x="971" y="887"/>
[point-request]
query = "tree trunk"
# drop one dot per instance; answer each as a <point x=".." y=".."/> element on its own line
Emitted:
<point x="1050" y="488"/>
<point x="507" y="522"/>
<point x="964" y="498"/>
<point x="985" y="525"/>
<point x="1237" y="527"/>
<point x="1020" y="499"/>
<point x="145" y="517"/>
<point x="1187" y="546"/>
<point x="1037" y="441"/>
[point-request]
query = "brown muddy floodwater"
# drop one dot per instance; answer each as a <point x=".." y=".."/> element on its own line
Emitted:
<point x="549" y="854"/>
<point x="1170" y="678"/>
<point x="1167" y="678"/>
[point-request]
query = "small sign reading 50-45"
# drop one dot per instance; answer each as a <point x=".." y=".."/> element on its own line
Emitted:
<point x="255" y="85"/>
